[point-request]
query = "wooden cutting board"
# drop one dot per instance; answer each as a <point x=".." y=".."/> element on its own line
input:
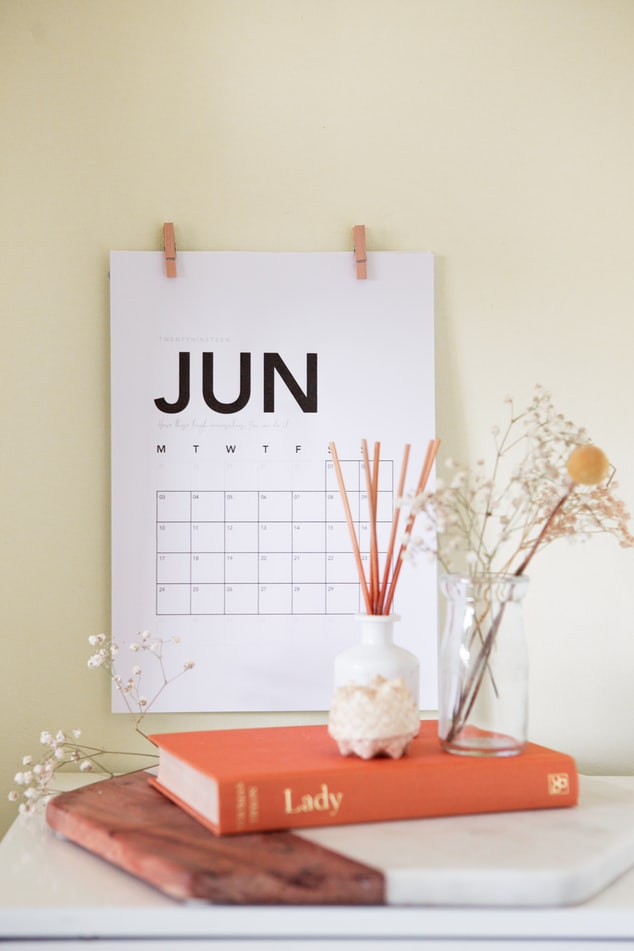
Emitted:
<point x="128" y="823"/>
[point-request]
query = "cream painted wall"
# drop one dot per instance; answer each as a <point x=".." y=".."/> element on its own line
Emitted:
<point x="497" y="133"/>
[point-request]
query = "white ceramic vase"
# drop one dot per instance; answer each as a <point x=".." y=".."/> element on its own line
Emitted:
<point x="377" y="655"/>
<point x="375" y="707"/>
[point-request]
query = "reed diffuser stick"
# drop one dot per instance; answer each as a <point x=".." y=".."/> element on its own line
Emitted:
<point x="371" y="477"/>
<point x="430" y="456"/>
<point x="375" y="495"/>
<point x="395" y="520"/>
<point x="353" y="534"/>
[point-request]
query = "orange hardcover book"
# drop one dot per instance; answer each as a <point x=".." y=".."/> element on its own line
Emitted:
<point x="292" y="777"/>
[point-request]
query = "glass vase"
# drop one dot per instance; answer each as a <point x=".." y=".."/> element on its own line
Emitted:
<point x="377" y="654"/>
<point x="483" y="666"/>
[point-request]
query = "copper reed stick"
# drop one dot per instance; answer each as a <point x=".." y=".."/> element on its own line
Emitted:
<point x="375" y="490"/>
<point x="371" y="479"/>
<point x="353" y="535"/>
<point x="395" y="520"/>
<point x="432" y="450"/>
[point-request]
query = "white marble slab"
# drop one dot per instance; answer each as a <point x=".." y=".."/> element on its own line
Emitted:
<point x="549" y="857"/>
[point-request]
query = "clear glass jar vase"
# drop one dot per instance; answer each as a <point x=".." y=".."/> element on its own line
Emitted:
<point x="483" y="666"/>
<point x="377" y="654"/>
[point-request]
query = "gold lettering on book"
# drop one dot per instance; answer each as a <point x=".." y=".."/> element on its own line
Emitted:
<point x="254" y="804"/>
<point x="322" y="801"/>
<point x="241" y="805"/>
<point x="558" y="784"/>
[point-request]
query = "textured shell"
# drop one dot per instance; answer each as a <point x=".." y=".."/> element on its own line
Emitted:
<point x="376" y="719"/>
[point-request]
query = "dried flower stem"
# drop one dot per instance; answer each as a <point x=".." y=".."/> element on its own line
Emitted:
<point x="469" y="693"/>
<point x="544" y="530"/>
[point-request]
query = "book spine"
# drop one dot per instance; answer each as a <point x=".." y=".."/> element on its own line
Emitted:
<point x="297" y="802"/>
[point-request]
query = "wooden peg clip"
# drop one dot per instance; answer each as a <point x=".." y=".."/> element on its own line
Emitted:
<point x="360" y="256"/>
<point x="169" y="243"/>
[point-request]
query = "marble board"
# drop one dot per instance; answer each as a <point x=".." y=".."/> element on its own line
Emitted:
<point x="549" y="857"/>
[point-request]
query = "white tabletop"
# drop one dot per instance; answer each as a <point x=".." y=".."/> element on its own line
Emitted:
<point x="50" y="888"/>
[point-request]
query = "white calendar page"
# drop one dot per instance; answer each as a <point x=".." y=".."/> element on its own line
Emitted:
<point x="228" y="532"/>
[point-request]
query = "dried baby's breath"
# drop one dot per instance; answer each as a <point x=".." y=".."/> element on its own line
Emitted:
<point x="547" y="481"/>
<point x="64" y="750"/>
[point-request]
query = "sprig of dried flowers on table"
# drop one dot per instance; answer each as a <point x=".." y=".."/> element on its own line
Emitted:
<point x="548" y="481"/>
<point x="379" y="587"/>
<point x="63" y="750"/>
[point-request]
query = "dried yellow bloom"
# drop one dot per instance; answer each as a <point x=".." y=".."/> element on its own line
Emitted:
<point x="588" y="465"/>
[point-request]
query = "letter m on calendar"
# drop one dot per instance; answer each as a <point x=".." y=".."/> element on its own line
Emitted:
<point x="229" y="538"/>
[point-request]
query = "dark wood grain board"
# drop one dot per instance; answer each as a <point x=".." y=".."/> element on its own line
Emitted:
<point x="128" y="823"/>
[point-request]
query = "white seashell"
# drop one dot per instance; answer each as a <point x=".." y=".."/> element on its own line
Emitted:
<point x="379" y="718"/>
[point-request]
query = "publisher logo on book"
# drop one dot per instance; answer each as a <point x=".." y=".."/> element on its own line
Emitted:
<point x="558" y="784"/>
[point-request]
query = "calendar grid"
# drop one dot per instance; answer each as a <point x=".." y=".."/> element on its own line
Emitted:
<point x="266" y="552"/>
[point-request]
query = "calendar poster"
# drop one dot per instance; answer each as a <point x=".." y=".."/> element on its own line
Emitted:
<point x="229" y="382"/>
